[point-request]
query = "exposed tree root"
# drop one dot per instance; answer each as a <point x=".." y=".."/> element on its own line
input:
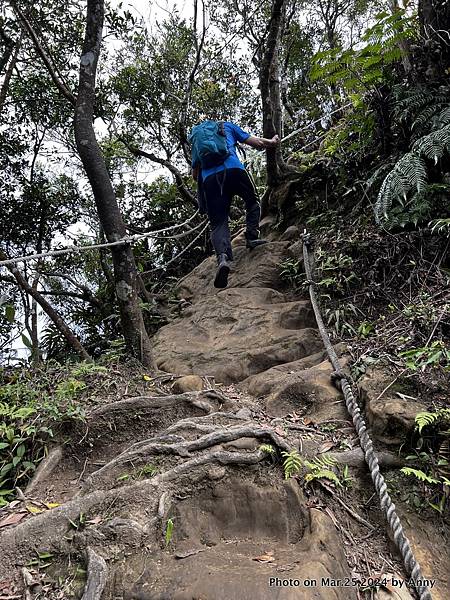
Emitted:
<point x="45" y="469"/>
<point x="46" y="531"/>
<point x="355" y="458"/>
<point x="97" y="576"/>
<point x="203" y="400"/>
<point x="219" y="436"/>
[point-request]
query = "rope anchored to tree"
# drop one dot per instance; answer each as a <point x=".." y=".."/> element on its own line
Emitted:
<point x="387" y="506"/>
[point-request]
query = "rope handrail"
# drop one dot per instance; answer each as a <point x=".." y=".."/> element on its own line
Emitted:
<point x="387" y="506"/>
<point x="288" y="137"/>
<point x="122" y="241"/>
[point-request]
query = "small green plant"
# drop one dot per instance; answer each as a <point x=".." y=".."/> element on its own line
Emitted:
<point x="366" y="329"/>
<point x="84" y="369"/>
<point x="346" y="479"/>
<point x="431" y="468"/>
<point x="169" y="531"/>
<point x="69" y="389"/>
<point x="339" y="319"/>
<point x="146" y="471"/>
<point x="291" y="271"/>
<point x="292" y="463"/>
<point x="333" y="270"/>
<point x="267" y="448"/>
<point x="42" y="560"/>
<point x="320" y="467"/>
<point x="31" y="405"/>
<point x="419" y="474"/>
<point x="440" y="226"/>
<point x="78" y="523"/>
<point x="435" y="355"/>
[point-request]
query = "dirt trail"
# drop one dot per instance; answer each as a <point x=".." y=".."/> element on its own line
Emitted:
<point x="169" y="495"/>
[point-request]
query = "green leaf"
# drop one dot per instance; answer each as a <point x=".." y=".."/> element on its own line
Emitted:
<point x="10" y="313"/>
<point x="169" y="531"/>
<point x="418" y="474"/>
<point x="21" y="450"/>
<point x="27" y="341"/>
<point x="6" y="469"/>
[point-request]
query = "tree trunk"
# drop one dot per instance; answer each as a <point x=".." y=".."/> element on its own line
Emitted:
<point x="125" y="273"/>
<point x="9" y="72"/>
<point x="403" y="43"/>
<point x="59" y="322"/>
<point x="270" y="86"/>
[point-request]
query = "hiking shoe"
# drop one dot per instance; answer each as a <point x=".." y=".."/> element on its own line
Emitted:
<point x="221" y="279"/>
<point x="254" y="243"/>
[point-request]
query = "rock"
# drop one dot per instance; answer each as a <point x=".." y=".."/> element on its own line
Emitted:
<point x="303" y="386"/>
<point x="237" y="333"/>
<point x="291" y="233"/>
<point x="188" y="383"/>
<point x="244" y="413"/>
<point x="267" y="225"/>
<point x="244" y="533"/>
<point x="243" y="444"/>
<point x="251" y="268"/>
<point x="296" y="251"/>
<point x="390" y="417"/>
<point x="393" y="593"/>
<point x="429" y="541"/>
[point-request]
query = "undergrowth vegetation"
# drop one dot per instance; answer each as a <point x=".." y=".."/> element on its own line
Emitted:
<point x="38" y="406"/>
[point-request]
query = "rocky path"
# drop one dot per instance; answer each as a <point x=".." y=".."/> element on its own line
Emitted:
<point x="170" y="495"/>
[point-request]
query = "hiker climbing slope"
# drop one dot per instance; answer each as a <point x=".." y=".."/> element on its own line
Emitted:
<point x="220" y="175"/>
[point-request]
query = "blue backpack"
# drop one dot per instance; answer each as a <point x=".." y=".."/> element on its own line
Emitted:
<point x="209" y="144"/>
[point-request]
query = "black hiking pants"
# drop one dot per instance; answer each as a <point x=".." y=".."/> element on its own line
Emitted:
<point x="218" y="191"/>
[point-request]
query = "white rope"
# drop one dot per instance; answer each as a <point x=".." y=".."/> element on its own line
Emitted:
<point x="288" y="137"/>
<point x="177" y="256"/>
<point x="126" y="240"/>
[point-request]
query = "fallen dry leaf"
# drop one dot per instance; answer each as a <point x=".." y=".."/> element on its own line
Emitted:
<point x="265" y="558"/>
<point x="325" y="447"/>
<point x="95" y="520"/>
<point x="12" y="519"/>
<point x="34" y="510"/>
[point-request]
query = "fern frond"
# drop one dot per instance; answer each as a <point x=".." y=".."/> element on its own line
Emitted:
<point x="435" y="144"/>
<point x="440" y="225"/>
<point x="443" y="118"/>
<point x="412" y="171"/>
<point x="420" y="475"/>
<point x="409" y="173"/>
<point x="292" y="463"/>
<point x="267" y="448"/>
<point x="323" y="474"/>
<point x="423" y="419"/>
<point x="325" y="460"/>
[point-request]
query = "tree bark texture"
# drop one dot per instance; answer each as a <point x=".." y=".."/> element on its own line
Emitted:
<point x="59" y="322"/>
<point x="125" y="272"/>
<point x="269" y="80"/>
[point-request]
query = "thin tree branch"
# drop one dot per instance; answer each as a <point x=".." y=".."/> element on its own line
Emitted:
<point x="43" y="54"/>
<point x="182" y="188"/>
